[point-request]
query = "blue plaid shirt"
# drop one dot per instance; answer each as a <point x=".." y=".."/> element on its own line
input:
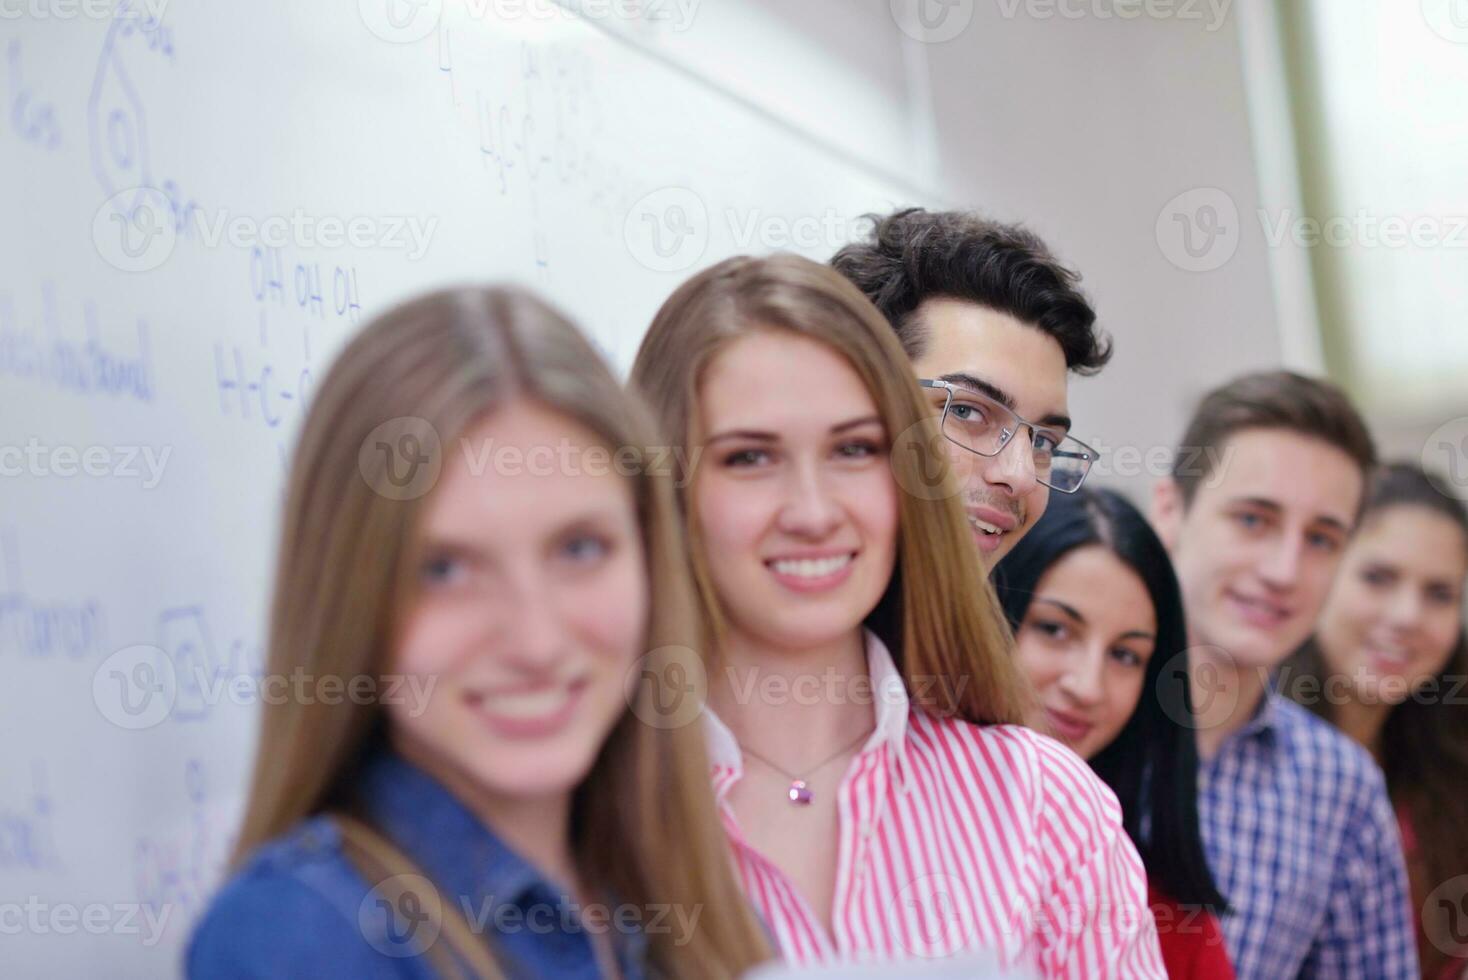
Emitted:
<point x="1303" y="843"/>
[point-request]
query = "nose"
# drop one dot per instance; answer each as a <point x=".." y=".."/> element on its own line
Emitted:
<point x="1280" y="568"/>
<point x="809" y="509"/>
<point x="1013" y="469"/>
<point x="1405" y="609"/>
<point x="537" y="633"/>
<point x="1082" y="681"/>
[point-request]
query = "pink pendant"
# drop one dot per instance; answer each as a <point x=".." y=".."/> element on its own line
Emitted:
<point x="799" y="795"/>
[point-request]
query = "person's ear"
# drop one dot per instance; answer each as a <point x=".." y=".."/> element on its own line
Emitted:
<point x="1167" y="511"/>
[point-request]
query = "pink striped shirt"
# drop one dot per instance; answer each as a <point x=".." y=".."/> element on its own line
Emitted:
<point x="956" y="836"/>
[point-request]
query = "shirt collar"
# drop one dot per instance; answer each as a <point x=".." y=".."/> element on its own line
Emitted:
<point x="439" y="834"/>
<point x="888" y="692"/>
<point x="463" y="857"/>
<point x="1266" y="716"/>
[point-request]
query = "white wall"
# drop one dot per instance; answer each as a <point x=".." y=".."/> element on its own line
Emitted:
<point x="1085" y="126"/>
<point x="807" y="63"/>
<point x="495" y="143"/>
<point x="1085" y="129"/>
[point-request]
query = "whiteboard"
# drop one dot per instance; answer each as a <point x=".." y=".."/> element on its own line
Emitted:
<point x="197" y="211"/>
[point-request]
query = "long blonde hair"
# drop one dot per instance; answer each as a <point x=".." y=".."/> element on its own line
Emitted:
<point x="644" y="823"/>
<point x="940" y="617"/>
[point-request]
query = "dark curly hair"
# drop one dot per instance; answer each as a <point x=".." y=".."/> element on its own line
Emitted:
<point x="914" y="255"/>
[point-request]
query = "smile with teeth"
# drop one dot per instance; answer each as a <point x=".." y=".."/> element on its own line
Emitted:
<point x="536" y="711"/>
<point x="1389" y="656"/>
<point x="1261" y="611"/>
<point x="984" y="526"/>
<point x="811" y="567"/>
<point x="527" y="704"/>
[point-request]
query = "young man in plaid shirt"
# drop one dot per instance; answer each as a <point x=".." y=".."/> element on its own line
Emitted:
<point x="1299" y="830"/>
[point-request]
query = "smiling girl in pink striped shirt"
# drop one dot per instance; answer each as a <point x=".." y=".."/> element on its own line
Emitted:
<point x="880" y="797"/>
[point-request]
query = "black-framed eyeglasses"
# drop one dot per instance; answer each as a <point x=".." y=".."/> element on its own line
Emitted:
<point x="984" y="426"/>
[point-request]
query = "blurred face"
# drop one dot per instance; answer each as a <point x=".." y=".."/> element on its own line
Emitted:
<point x="1018" y="365"/>
<point x="795" y="501"/>
<point x="1258" y="548"/>
<point x="1085" y="643"/>
<point x="1395" y="613"/>
<point x="531" y="604"/>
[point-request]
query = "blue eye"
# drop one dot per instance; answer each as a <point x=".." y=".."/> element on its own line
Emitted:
<point x="1046" y="443"/>
<point x="1322" y="542"/>
<point x="859" y="449"/>
<point x="746" y="457"/>
<point x="586" y="548"/>
<point x="966" y="412"/>
<point x="441" y="570"/>
<point x="1249" y="521"/>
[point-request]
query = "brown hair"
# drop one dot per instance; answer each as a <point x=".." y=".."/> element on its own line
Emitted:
<point x="1424" y="743"/>
<point x="939" y="617"/>
<point x="1269" y="400"/>
<point x="644" y="823"/>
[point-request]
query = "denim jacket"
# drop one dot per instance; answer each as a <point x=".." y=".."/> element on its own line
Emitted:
<point x="299" y="908"/>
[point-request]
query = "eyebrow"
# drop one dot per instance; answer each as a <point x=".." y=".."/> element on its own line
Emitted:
<point x="1264" y="503"/>
<point x="1064" y="607"/>
<point x="753" y="435"/>
<point x="964" y="380"/>
<point x="453" y="543"/>
<point x="1075" y="614"/>
<point x="441" y="544"/>
<point x="761" y="435"/>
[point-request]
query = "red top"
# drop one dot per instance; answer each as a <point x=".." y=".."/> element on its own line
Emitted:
<point x="1437" y="963"/>
<point x="1192" y="942"/>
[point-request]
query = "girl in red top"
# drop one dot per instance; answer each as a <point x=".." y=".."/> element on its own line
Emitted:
<point x="1386" y="666"/>
<point x="1099" y="627"/>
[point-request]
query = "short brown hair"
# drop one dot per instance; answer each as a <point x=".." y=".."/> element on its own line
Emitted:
<point x="1270" y="400"/>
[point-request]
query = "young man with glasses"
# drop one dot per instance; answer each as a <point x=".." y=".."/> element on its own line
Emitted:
<point x="993" y="324"/>
<point x="1296" y="822"/>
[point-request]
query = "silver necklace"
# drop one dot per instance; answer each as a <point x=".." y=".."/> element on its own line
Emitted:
<point x="799" y="792"/>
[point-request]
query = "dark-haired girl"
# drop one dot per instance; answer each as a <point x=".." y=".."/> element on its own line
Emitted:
<point x="1098" y="620"/>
